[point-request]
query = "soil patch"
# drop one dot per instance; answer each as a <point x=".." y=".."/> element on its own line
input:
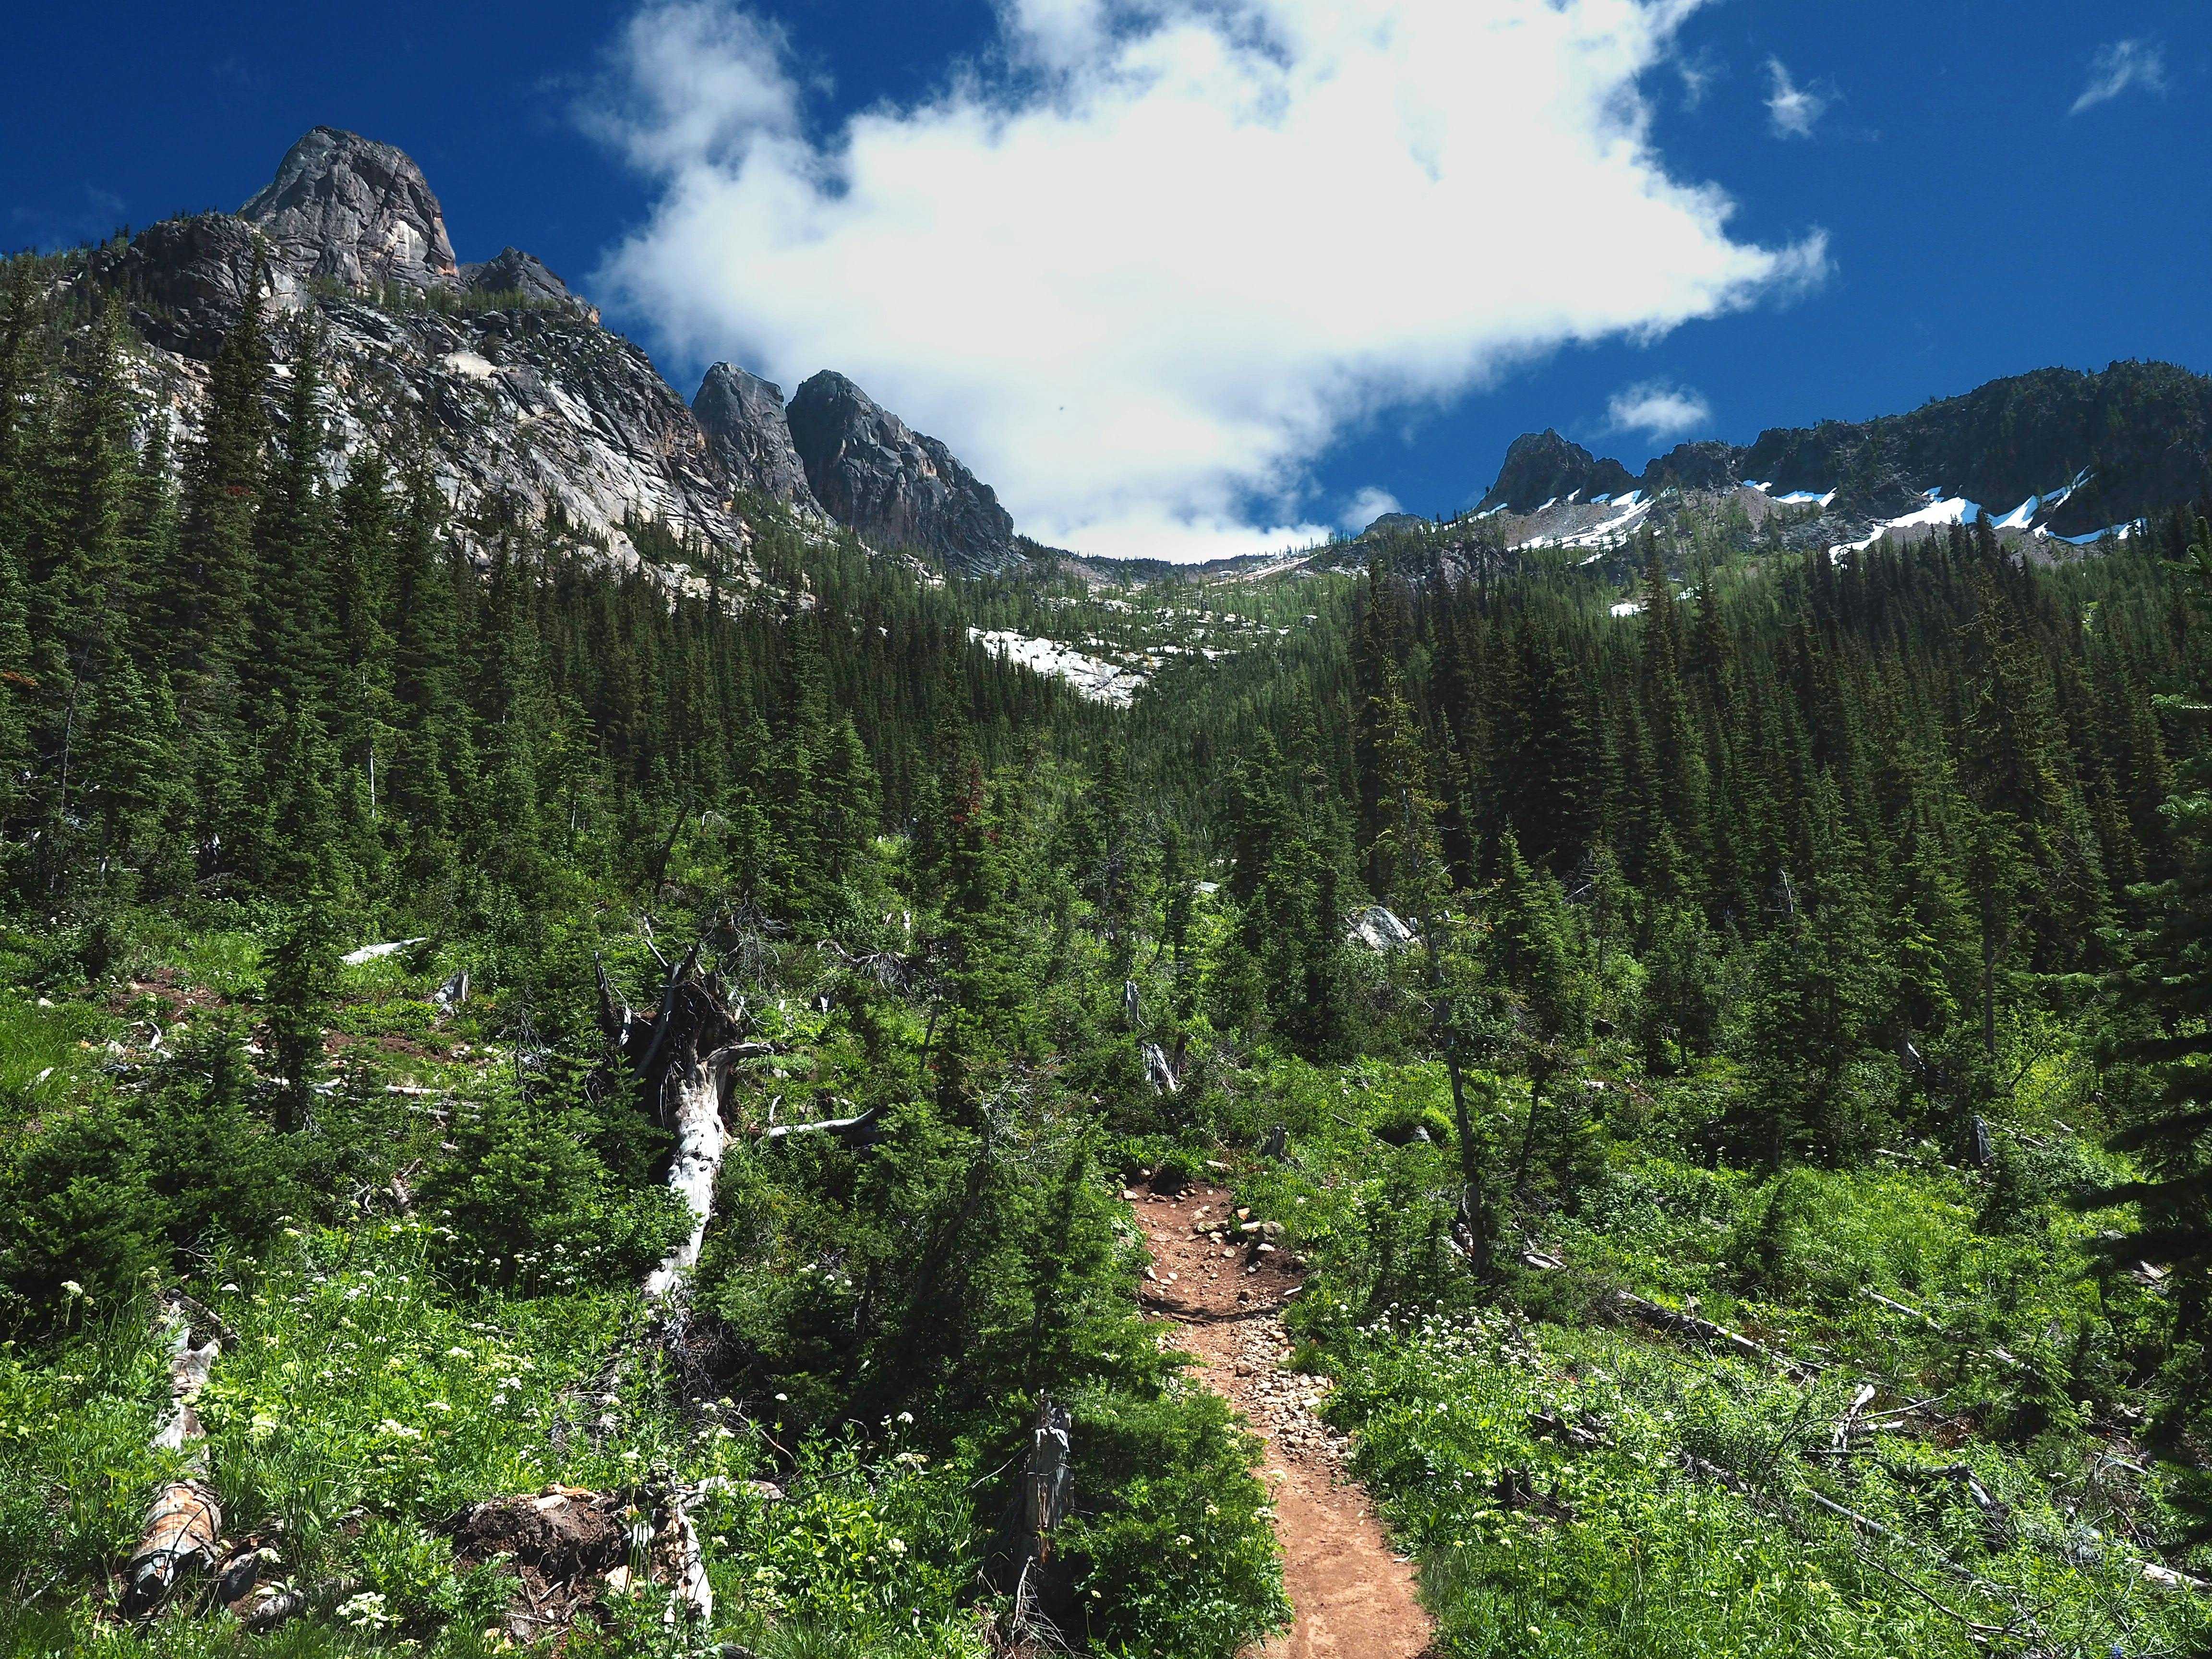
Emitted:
<point x="565" y="1546"/>
<point x="1352" y="1597"/>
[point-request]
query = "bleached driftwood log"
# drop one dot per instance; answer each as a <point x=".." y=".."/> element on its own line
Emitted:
<point x="686" y="1564"/>
<point x="184" y="1519"/>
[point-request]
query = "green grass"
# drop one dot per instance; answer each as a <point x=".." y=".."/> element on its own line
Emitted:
<point x="47" y="1052"/>
<point x="364" y="1403"/>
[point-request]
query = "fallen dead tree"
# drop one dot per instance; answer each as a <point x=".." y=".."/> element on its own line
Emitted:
<point x="184" y="1523"/>
<point x="1648" y="1312"/>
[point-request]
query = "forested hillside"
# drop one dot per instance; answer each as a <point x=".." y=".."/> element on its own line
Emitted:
<point x="588" y="1102"/>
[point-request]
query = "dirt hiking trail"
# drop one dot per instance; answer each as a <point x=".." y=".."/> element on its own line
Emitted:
<point x="1352" y="1597"/>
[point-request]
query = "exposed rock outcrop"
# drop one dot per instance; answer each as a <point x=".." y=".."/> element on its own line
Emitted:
<point x="894" y="485"/>
<point x="2098" y="449"/>
<point x="1396" y="524"/>
<point x="186" y="280"/>
<point x="530" y="406"/>
<point x="347" y="208"/>
<point x="743" y="417"/>
<point x="1543" y="467"/>
<point x="516" y="273"/>
<point x="2141" y="431"/>
<point x="1707" y="465"/>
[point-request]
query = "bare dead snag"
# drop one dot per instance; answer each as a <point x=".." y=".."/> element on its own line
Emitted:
<point x="185" y="1520"/>
<point x="701" y="1142"/>
<point x="682" y="1054"/>
<point x="1047" y="1486"/>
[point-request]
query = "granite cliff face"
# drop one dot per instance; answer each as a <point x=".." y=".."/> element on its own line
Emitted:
<point x="742" y="416"/>
<point x="344" y="206"/>
<point x="894" y="485"/>
<point x="501" y="382"/>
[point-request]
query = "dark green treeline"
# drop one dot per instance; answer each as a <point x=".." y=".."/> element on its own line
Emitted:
<point x="238" y="668"/>
<point x="1824" y="812"/>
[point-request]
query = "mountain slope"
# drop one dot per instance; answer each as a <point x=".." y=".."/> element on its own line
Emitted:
<point x="496" y="378"/>
<point x="2058" y="450"/>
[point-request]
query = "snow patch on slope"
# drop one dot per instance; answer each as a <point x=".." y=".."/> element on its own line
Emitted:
<point x="1092" y="677"/>
<point x="1935" y="515"/>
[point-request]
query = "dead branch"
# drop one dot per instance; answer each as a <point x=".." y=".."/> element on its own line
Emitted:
<point x="1689" y="1324"/>
<point x="205" y="1317"/>
<point x="830" y="1126"/>
<point x="1873" y="1295"/>
<point x="289" y="1604"/>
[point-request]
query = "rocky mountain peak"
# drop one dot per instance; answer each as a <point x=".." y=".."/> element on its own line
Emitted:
<point x="894" y="485"/>
<point x="742" y="416"/>
<point x="516" y="273"/>
<point x="346" y="207"/>
<point x="1543" y="467"/>
<point x="508" y="388"/>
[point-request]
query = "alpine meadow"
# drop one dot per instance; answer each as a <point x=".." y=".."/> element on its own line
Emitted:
<point x="631" y="1026"/>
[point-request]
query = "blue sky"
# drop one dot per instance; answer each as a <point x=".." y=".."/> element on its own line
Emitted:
<point x="1938" y="193"/>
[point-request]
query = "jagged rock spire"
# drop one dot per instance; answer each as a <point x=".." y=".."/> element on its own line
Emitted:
<point x="742" y="416"/>
<point x="347" y="207"/>
<point x="898" y="486"/>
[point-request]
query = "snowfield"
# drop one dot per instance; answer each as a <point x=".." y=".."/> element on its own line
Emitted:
<point x="1093" y="677"/>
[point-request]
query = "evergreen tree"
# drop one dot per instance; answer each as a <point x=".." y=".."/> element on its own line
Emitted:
<point x="2165" y="998"/>
<point x="208" y="594"/>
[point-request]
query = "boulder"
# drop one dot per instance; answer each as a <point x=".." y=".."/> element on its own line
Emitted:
<point x="1377" y="929"/>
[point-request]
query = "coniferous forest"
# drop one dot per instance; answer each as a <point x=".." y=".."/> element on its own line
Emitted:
<point x="1729" y="1067"/>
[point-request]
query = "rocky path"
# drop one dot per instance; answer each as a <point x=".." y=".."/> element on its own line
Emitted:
<point x="1353" y="1599"/>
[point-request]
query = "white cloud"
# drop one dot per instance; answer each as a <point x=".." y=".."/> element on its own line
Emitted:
<point x="1145" y="269"/>
<point x="2118" y="66"/>
<point x="1658" y="410"/>
<point x="1369" y="505"/>
<point x="1795" y="110"/>
<point x="1698" y="72"/>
